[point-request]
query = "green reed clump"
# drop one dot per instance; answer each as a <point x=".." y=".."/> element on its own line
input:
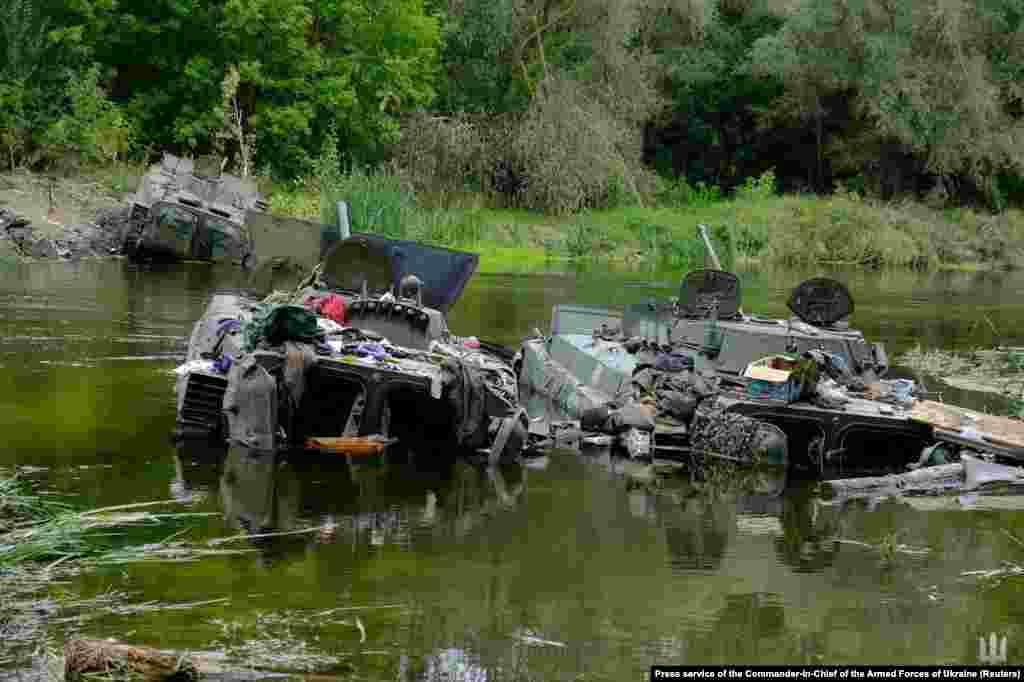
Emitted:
<point x="377" y="202"/>
<point x="35" y="529"/>
<point x="20" y="506"/>
<point x="446" y="227"/>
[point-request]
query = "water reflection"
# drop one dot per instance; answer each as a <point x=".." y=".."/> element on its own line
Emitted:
<point x="197" y="471"/>
<point x="397" y="499"/>
<point x="700" y="520"/>
<point x="592" y="569"/>
<point x="808" y="541"/>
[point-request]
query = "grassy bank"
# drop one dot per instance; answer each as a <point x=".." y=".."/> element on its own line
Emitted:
<point x="756" y="225"/>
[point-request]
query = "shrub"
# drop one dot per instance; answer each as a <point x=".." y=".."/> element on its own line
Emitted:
<point x="679" y="193"/>
<point x="846" y="229"/>
<point x="570" y="149"/>
<point x="759" y="188"/>
<point x="95" y="129"/>
<point x="444" y="155"/>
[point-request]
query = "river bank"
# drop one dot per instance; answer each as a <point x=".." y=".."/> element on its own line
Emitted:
<point x="70" y="218"/>
<point x="83" y="216"/>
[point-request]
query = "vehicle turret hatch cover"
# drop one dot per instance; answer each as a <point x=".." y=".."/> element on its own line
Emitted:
<point x="702" y="291"/>
<point x="351" y="262"/>
<point x="821" y="301"/>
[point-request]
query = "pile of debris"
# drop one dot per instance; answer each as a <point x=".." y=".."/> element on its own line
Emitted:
<point x="102" y="237"/>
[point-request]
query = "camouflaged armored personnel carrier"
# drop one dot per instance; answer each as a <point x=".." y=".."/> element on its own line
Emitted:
<point x="179" y="214"/>
<point x="805" y="392"/>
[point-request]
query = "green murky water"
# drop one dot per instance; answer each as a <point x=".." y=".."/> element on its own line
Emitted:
<point x="565" y="570"/>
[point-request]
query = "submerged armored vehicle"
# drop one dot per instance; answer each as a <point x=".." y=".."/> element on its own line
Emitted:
<point x="699" y="359"/>
<point x="359" y="354"/>
<point x="178" y="214"/>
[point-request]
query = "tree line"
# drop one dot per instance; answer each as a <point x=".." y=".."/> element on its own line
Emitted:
<point x="548" y="104"/>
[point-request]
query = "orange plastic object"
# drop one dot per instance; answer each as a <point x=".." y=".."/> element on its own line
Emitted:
<point x="347" y="445"/>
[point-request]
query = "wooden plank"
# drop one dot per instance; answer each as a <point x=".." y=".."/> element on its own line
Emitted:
<point x="990" y="445"/>
<point x="1003" y="430"/>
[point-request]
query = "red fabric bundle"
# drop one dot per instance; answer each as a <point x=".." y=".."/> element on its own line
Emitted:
<point x="332" y="306"/>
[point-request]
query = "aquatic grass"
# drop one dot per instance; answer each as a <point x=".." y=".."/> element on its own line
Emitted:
<point x="993" y="576"/>
<point x="19" y="505"/>
<point x="28" y="605"/>
<point x="996" y="370"/>
<point x="38" y="530"/>
<point x="42" y="541"/>
<point x="281" y="640"/>
<point x="84" y="535"/>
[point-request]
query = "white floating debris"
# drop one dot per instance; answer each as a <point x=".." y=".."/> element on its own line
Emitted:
<point x="530" y="637"/>
<point x="194" y="366"/>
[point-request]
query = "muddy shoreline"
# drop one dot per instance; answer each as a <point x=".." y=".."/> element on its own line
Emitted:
<point x="47" y="219"/>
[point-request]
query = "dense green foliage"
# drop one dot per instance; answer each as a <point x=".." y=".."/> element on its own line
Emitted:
<point x="560" y="105"/>
<point x="199" y="76"/>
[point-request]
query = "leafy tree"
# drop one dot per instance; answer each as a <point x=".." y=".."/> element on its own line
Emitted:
<point x="710" y="133"/>
<point x="386" y="53"/>
<point x="302" y="66"/>
<point x="479" y="59"/>
<point x="23" y="39"/>
<point x="937" y="78"/>
<point x="92" y="129"/>
<point x="14" y="126"/>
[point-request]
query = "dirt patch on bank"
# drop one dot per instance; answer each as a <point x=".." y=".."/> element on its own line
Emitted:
<point x="45" y="218"/>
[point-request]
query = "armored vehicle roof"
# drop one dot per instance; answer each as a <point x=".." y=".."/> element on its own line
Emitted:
<point x="174" y="179"/>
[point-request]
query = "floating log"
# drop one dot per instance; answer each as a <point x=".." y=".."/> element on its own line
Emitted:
<point x="979" y="473"/>
<point x="87" y="657"/>
<point x="349" y="445"/>
<point x="939" y="477"/>
<point x="970" y="474"/>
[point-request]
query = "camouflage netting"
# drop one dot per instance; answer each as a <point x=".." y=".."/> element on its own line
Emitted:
<point x="688" y="399"/>
<point x="715" y="431"/>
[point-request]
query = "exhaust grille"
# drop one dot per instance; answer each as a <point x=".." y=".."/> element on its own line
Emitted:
<point x="204" y="396"/>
